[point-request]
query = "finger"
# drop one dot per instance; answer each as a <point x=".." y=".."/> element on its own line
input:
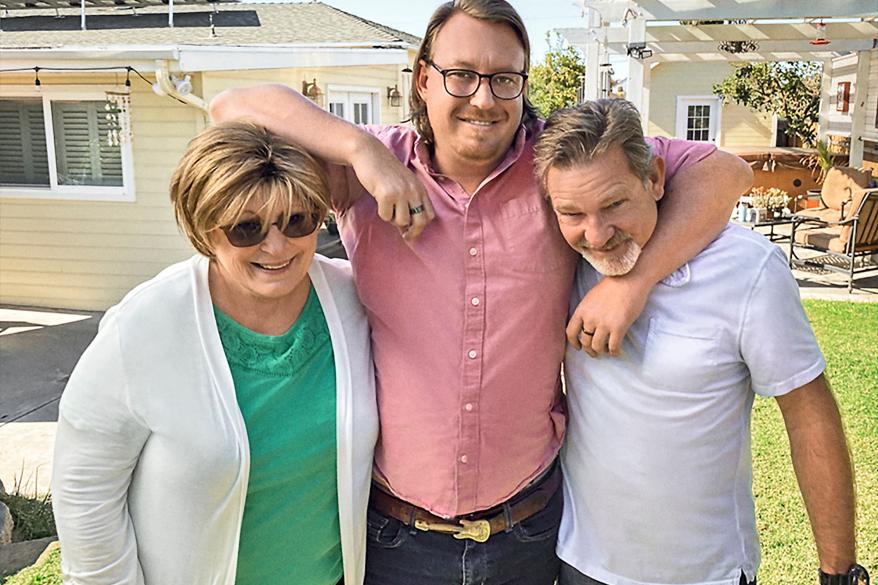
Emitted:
<point x="385" y="209"/>
<point x="599" y="341"/>
<point x="587" y="345"/>
<point x="614" y="345"/>
<point x="402" y="217"/>
<point x="574" y="328"/>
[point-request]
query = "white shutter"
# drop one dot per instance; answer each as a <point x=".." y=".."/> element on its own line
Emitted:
<point x="82" y="151"/>
<point x="23" y="156"/>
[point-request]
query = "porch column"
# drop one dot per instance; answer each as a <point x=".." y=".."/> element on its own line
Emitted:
<point x="825" y="87"/>
<point x="638" y="72"/>
<point x="592" y="57"/>
<point x="858" y="103"/>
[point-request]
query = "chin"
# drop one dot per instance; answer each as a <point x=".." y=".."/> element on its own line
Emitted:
<point x="616" y="265"/>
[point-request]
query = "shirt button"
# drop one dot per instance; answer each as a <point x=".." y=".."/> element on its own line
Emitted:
<point x="472" y="354"/>
<point x="468" y="406"/>
<point x="475" y="301"/>
<point x="473" y="252"/>
<point x="463" y="459"/>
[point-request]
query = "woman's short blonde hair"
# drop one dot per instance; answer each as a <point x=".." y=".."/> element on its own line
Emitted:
<point x="230" y="165"/>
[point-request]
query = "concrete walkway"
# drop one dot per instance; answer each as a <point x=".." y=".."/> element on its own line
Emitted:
<point x="39" y="347"/>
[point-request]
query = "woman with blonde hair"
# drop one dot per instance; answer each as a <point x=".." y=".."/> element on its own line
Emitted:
<point x="220" y="427"/>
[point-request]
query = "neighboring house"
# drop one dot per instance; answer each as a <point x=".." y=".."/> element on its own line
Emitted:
<point x="853" y="105"/>
<point x="676" y="50"/>
<point x="86" y="158"/>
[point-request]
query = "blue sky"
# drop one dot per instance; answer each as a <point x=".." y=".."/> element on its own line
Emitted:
<point x="411" y="16"/>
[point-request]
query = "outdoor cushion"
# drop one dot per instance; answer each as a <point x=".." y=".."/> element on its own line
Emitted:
<point x="822" y="238"/>
<point x="821" y="213"/>
<point x="840" y="183"/>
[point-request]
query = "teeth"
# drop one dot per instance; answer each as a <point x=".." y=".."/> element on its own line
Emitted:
<point x="275" y="266"/>
<point x="479" y="122"/>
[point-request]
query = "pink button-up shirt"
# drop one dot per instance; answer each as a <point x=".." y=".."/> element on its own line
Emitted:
<point x="467" y="330"/>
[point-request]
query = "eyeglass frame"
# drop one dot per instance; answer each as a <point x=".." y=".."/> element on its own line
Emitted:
<point x="481" y="76"/>
<point x="318" y="218"/>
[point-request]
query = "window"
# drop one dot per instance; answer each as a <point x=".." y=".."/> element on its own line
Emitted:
<point x="63" y="146"/>
<point x="357" y="105"/>
<point x="698" y="118"/>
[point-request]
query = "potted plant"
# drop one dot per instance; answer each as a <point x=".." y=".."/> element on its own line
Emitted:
<point x="770" y="202"/>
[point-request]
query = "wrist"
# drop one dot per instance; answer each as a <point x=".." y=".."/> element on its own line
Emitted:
<point x="855" y="575"/>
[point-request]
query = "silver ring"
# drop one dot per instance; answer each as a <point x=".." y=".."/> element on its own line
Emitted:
<point x="416" y="209"/>
<point x="589" y="333"/>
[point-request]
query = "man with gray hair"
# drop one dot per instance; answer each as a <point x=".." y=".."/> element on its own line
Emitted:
<point x="657" y="465"/>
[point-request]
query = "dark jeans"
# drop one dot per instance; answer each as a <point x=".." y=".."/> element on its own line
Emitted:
<point x="525" y="555"/>
<point x="570" y="576"/>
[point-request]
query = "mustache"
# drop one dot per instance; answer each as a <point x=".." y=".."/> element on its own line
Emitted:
<point x="619" y="237"/>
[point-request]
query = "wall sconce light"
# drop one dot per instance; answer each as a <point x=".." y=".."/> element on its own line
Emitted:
<point x="310" y="90"/>
<point x="638" y="51"/>
<point x="394" y="96"/>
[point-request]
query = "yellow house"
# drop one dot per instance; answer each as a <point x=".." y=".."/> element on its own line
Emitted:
<point x="96" y="107"/>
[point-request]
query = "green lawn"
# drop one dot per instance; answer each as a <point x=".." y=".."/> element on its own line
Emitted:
<point x="848" y="334"/>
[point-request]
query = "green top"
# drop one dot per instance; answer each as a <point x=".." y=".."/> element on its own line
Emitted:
<point x="285" y="387"/>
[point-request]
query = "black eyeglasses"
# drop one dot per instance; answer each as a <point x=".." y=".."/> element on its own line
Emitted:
<point x="505" y="85"/>
<point x="250" y="232"/>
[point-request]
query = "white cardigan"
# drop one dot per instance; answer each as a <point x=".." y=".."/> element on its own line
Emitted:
<point x="151" y="457"/>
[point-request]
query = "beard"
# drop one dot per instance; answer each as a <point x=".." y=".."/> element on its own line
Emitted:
<point x="625" y="254"/>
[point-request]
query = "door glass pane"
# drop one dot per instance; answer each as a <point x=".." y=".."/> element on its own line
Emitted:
<point x="83" y="150"/>
<point x="698" y="123"/>
<point x="361" y="113"/>
<point x="24" y="159"/>
<point x="337" y="108"/>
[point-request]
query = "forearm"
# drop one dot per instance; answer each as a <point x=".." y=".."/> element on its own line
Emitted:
<point x="696" y="207"/>
<point x="288" y="113"/>
<point x="823" y="469"/>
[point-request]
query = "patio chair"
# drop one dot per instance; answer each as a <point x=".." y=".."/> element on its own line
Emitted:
<point x="837" y="193"/>
<point x="846" y="244"/>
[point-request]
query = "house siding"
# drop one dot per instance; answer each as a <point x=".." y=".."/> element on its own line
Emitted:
<point x="88" y="254"/>
<point x="739" y="127"/>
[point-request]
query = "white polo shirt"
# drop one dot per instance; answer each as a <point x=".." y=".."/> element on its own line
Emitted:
<point x="657" y="466"/>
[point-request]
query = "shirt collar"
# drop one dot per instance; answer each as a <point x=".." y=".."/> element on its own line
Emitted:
<point x="679" y="277"/>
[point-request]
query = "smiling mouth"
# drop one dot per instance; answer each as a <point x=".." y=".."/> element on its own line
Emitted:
<point x="481" y="123"/>
<point x="273" y="267"/>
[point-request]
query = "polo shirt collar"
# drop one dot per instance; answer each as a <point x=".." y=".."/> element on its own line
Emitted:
<point x="678" y="278"/>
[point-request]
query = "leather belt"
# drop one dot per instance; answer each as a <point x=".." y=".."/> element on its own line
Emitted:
<point x="478" y="526"/>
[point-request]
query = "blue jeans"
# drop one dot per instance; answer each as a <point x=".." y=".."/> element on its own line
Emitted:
<point x="397" y="554"/>
<point x="571" y="576"/>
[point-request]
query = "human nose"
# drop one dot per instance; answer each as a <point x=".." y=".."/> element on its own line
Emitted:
<point x="275" y="240"/>
<point x="597" y="232"/>
<point x="483" y="97"/>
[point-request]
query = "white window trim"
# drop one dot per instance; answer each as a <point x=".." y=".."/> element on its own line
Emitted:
<point x="374" y="91"/>
<point x="680" y="117"/>
<point x="125" y="193"/>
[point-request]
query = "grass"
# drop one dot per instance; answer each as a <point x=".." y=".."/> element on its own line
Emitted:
<point x="46" y="573"/>
<point x="848" y="335"/>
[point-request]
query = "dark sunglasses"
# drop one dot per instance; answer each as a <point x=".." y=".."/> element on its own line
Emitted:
<point x="250" y="232"/>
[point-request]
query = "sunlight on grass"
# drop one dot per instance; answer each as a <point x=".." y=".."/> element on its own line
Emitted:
<point x="848" y="335"/>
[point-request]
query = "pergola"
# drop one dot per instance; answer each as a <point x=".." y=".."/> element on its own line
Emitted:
<point x="648" y="32"/>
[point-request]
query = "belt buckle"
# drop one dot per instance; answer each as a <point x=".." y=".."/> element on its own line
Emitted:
<point x="477" y="530"/>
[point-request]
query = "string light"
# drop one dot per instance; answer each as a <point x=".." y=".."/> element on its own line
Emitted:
<point x="37" y="82"/>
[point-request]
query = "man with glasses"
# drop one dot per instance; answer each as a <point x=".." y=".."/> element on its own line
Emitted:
<point x="467" y="320"/>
